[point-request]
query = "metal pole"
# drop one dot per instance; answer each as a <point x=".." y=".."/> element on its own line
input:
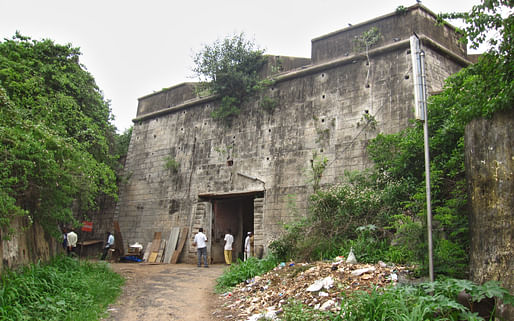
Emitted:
<point x="427" y="169"/>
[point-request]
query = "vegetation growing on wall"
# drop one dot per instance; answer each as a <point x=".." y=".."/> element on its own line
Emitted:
<point x="57" y="144"/>
<point x="171" y="164"/>
<point x="229" y="68"/>
<point x="391" y="196"/>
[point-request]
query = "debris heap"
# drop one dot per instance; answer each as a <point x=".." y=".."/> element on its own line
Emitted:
<point x="318" y="285"/>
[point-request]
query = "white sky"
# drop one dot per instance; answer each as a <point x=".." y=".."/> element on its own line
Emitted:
<point x="133" y="48"/>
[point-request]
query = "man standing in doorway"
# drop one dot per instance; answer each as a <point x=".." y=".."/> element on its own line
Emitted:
<point x="248" y="246"/>
<point x="229" y="239"/>
<point x="201" y="247"/>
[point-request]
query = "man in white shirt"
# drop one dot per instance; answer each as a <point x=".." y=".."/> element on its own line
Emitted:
<point x="229" y="239"/>
<point x="248" y="246"/>
<point x="72" y="241"/>
<point x="201" y="247"/>
<point x="108" y="245"/>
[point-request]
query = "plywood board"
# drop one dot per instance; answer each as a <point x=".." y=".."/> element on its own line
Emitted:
<point x="172" y="244"/>
<point x="147" y="252"/>
<point x="156" y="245"/>
<point x="160" y="252"/>
<point x="152" y="257"/>
<point x="182" y="241"/>
<point x="118" y="240"/>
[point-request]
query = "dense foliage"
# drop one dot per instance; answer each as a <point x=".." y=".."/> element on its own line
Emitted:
<point x="64" y="289"/>
<point x="428" y="301"/>
<point x="57" y="143"/>
<point x="391" y="197"/>
<point x="229" y="68"/>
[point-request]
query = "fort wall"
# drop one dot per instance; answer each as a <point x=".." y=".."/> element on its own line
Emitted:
<point x="322" y="108"/>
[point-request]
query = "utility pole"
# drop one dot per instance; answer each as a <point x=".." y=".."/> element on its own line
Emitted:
<point x="420" y="97"/>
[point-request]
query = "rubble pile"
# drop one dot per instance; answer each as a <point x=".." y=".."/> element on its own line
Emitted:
<point x="318" y="285"/>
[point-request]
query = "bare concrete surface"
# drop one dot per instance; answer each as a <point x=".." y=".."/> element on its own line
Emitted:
<point x="165" y="292"/>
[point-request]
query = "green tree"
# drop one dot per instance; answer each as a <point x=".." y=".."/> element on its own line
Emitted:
<point x="229" y="68"/>
<point x="57" y="145"/>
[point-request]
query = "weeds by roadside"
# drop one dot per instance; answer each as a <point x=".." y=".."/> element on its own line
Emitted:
<point x="241" y="271"/>
<point x="352" y="298"/>
<point x="63" y="289"/>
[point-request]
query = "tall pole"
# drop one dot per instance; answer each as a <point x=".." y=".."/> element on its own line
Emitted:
<point x="418" y="67"/>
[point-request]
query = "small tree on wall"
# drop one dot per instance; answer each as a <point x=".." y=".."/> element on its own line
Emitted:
<point x="229" y="68"/>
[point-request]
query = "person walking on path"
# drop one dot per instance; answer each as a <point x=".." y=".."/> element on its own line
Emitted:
<point x="201" y="247"/>
<point x="71" y="239"/>
<point x="248" y="246"/>
<point x="108" y="244"/>
<point x="229" y="239"/>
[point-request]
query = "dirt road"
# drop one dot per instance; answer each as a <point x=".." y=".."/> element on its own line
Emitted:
<point x="165" y="292"/>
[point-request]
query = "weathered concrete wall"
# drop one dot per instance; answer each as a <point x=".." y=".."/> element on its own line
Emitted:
<point x="320" y="109"/>
<point x="27" y="244"/>
<point x="393" y="28"/>
<point x="490" y="174"/>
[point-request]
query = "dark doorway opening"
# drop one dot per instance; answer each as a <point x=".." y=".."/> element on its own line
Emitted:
<point x="235" y="213"/>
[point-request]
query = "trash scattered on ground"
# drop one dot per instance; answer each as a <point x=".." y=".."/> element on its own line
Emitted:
<point x="318" y="285"/>
<point x="351" y="257"/>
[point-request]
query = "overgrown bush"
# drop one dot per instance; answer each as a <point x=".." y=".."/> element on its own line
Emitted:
<point x="57" y="145"/>
<point x="229" y="68"/>
<point x="64" y="289"/>
<point x="426" y="302"/>
<point x="355" y="212"/>
<point x="244" y="270"/>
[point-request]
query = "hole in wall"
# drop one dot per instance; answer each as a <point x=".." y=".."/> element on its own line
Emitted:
<point x="366" y="111"/>
<point x="272" y="88"/>
<point x="407" y="77"/>
<point x="367" y="86"/>
<point x="322" y="75"/>
<point x="269" y="130"/>
<point x="182" y="129"/>
<point x="267" y="158"/>
<point x="154" y="136"/>
<point x="321" y="150"/>
<point x="230" y="162"/>
<point x="322" y="120"/>
<point x="323" y="97"/>
<point x="408" y="52"/>
<point x="367" y="63"/>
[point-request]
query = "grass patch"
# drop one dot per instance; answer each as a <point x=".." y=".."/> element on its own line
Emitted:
<point x="63" y="289"/>
<point x="241" y="271"/>
<point x="428" y="301"/>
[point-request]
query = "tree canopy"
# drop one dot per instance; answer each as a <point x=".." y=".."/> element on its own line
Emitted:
<point x="56" y="137"/>
<point x="229" y="68"/>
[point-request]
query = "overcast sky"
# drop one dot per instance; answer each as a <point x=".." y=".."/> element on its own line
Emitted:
<point x="134" y="48"/>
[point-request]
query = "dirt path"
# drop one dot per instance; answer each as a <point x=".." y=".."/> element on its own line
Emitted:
<point x="165" y="292"/>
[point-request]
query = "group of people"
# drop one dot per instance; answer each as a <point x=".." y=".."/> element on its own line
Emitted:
<point x="70" y="239"/>
<point x="200" y="241"/>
